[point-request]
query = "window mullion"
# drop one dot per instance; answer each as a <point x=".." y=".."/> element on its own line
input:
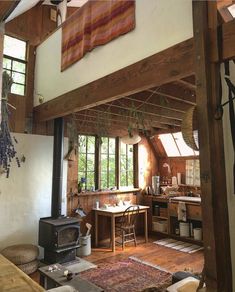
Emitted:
<point x="117" y="161"/>
<point x="108" y="165"/>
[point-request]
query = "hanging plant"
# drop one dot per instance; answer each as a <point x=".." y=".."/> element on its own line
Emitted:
<point x="7" y="150"/>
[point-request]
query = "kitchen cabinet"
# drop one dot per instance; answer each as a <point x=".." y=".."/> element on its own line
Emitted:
<point x="170" y="220"/>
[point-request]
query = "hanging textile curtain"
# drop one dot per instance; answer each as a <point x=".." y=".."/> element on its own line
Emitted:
<point x="96" y="23"/>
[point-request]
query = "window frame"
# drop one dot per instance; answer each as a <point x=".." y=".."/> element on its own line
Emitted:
<point x="97" y="165"/>
<point x="23" y="61"/>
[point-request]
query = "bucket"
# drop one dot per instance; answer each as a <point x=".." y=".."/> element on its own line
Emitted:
<point x="197" y="232"/>
<point x="184" y="229"/>
<point x="85" y="248"/>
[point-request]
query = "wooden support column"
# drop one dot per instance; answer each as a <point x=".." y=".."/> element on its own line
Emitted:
<point x="2" y="25"/>
<point x="213" y="178"/>
<point x="117" y="161"/>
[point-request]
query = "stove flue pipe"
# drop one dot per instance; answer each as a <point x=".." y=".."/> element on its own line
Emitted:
<point x="57" y="175"/>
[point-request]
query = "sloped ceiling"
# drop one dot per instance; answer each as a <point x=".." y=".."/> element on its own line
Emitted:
<point x="25" y="5"/>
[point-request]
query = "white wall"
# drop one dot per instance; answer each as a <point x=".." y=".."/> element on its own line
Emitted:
<point x="159" y="24"/>
<point x="26" y="195"/>
<point x="229" y="159"/>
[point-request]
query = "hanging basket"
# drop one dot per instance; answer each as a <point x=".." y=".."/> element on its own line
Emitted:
<point x="189" y="128"/>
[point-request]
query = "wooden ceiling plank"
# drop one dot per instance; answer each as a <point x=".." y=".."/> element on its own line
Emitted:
<point x="161" y="101"/>
<point x="164" y="67"/>
<point x="6" y="8"/>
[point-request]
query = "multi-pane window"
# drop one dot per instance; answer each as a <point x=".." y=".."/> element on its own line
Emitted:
<point x="107" y="163"/>
<point x="126" y="165"/>
<point x="86" y="161"/>
<point x="14" y="63"/>
<point x="101" y="155"/>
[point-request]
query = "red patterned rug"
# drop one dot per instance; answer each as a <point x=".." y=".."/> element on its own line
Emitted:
<point x="127" y="276"/>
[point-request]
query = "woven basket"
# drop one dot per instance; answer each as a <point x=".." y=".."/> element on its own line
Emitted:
<point x="189" y="125"/>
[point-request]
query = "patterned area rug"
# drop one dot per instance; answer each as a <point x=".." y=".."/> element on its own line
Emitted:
<point x="128" y="275"/>
<point x="179" y="245"/>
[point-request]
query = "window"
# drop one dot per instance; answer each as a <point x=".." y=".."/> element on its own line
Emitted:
<point x="86" y="161"/>
<point x="175" y="146"/>
<point x="108" y="163"/>
<point x="126" y="165"/>
<point x="193" y="172"/>
<point x="14" y="63"/>
<point x="106" y="156"/>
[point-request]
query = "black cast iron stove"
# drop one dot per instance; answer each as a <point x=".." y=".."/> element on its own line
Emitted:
<point x="58" y="234"/>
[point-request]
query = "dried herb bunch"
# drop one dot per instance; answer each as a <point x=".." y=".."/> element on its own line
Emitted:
<point x="7" y="150"/>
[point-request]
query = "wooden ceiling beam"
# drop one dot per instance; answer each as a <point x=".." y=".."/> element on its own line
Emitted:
<point x="115" y="109"/>
<point x="152" y="98"/>
<point x="139" y="107"/>
<point x="109" y="118"/>
<point x="186" y="84"/>
<point x="166" y="66"/>
<point x="176" y="92"/>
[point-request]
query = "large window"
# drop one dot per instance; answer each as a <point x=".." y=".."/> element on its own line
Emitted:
<point x="126" y="166"/>
<point x="101" y="155"/>
<point x="14" y="63"/>
<point x="108" y="163"/>
<point x="86" y="161"/>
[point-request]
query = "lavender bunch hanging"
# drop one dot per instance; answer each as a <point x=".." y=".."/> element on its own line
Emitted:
<point x="7" y="150"/>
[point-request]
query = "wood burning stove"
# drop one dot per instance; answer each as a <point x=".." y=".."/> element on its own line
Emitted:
<point x="58" y="234"/>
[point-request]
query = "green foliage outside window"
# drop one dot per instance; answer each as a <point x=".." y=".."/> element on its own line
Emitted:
<point x="107" y="163"/>
<point x="126" y="165"/>
<point x="86" y="161"/>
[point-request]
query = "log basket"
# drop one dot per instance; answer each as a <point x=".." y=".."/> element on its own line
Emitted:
<point x="189" y="127"/>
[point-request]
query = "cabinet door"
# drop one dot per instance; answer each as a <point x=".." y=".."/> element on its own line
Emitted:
<point x="194" y="212"/>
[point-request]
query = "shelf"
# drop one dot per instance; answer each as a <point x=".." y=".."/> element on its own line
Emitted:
<point x="160" y="217"/>
<point x="107" y="192"/>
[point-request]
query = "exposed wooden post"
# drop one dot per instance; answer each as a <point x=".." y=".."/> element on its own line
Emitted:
<point x="213" y="178"/>
<point x="2" y="26"/>
<point x="97" y="162"/>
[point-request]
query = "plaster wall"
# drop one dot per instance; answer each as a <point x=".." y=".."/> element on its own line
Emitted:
<point x="25" y="196"/>
<point x="159" y="24"/>
<point x="229" y="160"/>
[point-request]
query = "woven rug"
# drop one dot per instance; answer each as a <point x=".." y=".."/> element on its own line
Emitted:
<point x="179" y="245"/>
<point x="127" y="275"/>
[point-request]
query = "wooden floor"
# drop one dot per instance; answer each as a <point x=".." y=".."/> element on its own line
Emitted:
<point x="164" y="257"/>
<point x="167" y="258"/>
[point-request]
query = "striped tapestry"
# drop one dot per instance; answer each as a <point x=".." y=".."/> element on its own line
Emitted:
<point x="94" y="24"/>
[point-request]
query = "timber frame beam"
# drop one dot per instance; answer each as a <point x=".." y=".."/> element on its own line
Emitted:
<point x="164" y="67"/>
<point x="214" y="194"/>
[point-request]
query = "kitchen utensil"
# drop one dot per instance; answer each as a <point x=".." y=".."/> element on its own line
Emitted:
<point x="88" y="228"/>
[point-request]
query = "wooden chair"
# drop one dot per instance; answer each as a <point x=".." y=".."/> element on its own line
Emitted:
<point x="125" y="228"/>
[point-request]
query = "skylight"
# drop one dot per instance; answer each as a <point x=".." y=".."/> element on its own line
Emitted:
<point x="175" y="146"/>
<point x="232" y="10"/>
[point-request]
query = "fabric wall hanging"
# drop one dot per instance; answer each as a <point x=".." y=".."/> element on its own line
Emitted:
<point x="96" y="23"/>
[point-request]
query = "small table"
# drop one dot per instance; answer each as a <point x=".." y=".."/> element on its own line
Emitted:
<point x="56" y="278"/>
<point x="114" y="212"/>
